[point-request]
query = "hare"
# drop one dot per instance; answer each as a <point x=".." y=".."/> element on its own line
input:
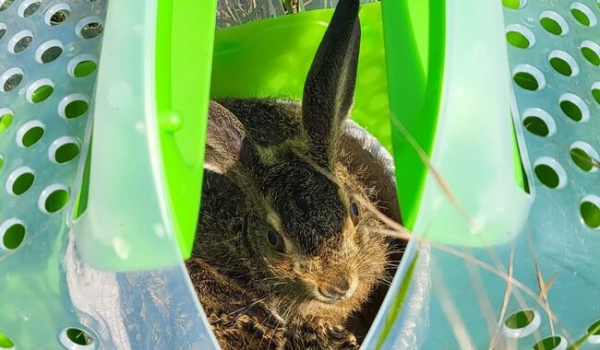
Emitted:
<point x="285" y="254"/>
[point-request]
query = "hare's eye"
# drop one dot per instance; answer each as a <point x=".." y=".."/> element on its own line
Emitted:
<point x="354" y="213"/>
<point x="275" y="240"/>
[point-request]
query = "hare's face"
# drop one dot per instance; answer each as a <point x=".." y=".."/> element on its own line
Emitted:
<point x="318" y="246"/>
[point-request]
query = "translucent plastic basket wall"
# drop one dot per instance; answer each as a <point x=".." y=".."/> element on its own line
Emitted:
<point x="53" y="92"/>
<point x="533" y="286"/>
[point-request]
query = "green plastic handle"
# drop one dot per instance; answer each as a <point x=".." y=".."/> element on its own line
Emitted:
<point x="142" y="193"/>
<point x="456" y="106"/>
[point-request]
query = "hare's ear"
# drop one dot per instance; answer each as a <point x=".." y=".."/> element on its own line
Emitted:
<point x="329" y="88"/>
<point x="224" y="138"/>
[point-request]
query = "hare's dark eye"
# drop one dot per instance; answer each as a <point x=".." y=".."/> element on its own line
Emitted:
<point x="272" y="237"/>
<point x="354" y="209"/>
<point x="354" y="213"/>
<point x="275" y="240"/>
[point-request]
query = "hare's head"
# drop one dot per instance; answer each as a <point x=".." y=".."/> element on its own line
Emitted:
<point x="309" y="240"/>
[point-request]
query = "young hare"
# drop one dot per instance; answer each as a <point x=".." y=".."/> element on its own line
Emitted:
<point x="285" y="253"/>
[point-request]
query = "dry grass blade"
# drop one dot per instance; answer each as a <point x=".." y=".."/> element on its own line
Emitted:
<point x="584" y="160"/>
<point x="482" y="299"/>
<point x="454" y="320"/>
<point x="506" y="299"/>
<point x="544" y="286"/>
<point x="437" y="176"/>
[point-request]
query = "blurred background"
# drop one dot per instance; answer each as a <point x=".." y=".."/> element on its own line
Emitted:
<point x="234" y="12"/>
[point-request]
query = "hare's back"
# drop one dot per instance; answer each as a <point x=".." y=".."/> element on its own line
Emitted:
<point x="269" y="122"/>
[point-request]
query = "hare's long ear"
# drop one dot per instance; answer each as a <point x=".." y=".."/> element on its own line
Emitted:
<point x="329" y="88"/>
<point x="224" y="138"/>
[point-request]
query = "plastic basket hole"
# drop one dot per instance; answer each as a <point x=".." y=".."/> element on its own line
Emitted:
<point x="4" y="4"/>
<point x="76" y="109"/>
<point x="583" y="14"/>
<point x="6" y="342"/>
<point x="520" y="319"/>
<point x="20" y="41"/>
<point x="85" y="68"/>
<point x="50" y="54"/>
<point x="536" y="126"/>
<point x="58" y="14"/>
<point x="40" y="90"/>
<point x="517" y="39"/>
<point x="28" y="8"/>
<point x="74" y="106"/>
<point x="582" y="159"/>
<point x="571" y="110"/>
<point x="593" y="333"/>
<point x="82" y="66"/>
<point x="551" y="26"/>
<point x="91" y="30"/>
<point x="519" y="36"/>
<point x="5" y="122"/>
<point x="42" y="93"/>
<point x="590" y="211"/>
<point x="59" y="17"/>
<point x="10" y="79"/>
<point x="551" y="343"/>
<point x="591" y="52"/>
<point x="584" y="156"/>
<point x="580" y="17"/>
<point x="527" y="81"/>
<point x="31" y="136"/>
<point x="12" y="232"/>
<point x="65" y="152"/>
<point x="521" y="323"/>
<point x="54" y="198"/>
<point x="75" y="338"/>
<point x="547" y="175"/>
<point x="13" y="81"/>
<point x="23" y="183"/>
<point x="574" y="108"/>
<point x="550" y="173"/>
<point x="2" y="30"/>
<point x="563" y="63"/>
<point x="553" y="23"/>
<point x="529" y="77"/>
<point x="1" y="161"/>
<point x="561" y="66"/>
<point x="596" y="92"/>
<point x="514" y="4"/>
<point x="22" y="44"/>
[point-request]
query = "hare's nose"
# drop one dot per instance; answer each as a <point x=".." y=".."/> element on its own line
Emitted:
<point x="338" y="289"/>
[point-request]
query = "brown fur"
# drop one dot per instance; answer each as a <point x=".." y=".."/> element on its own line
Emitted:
<point x="275" y="165"/>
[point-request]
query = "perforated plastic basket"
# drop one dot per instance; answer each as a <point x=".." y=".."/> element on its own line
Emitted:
<point x="531" y="283"/>
<point x="54" y="94"/>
